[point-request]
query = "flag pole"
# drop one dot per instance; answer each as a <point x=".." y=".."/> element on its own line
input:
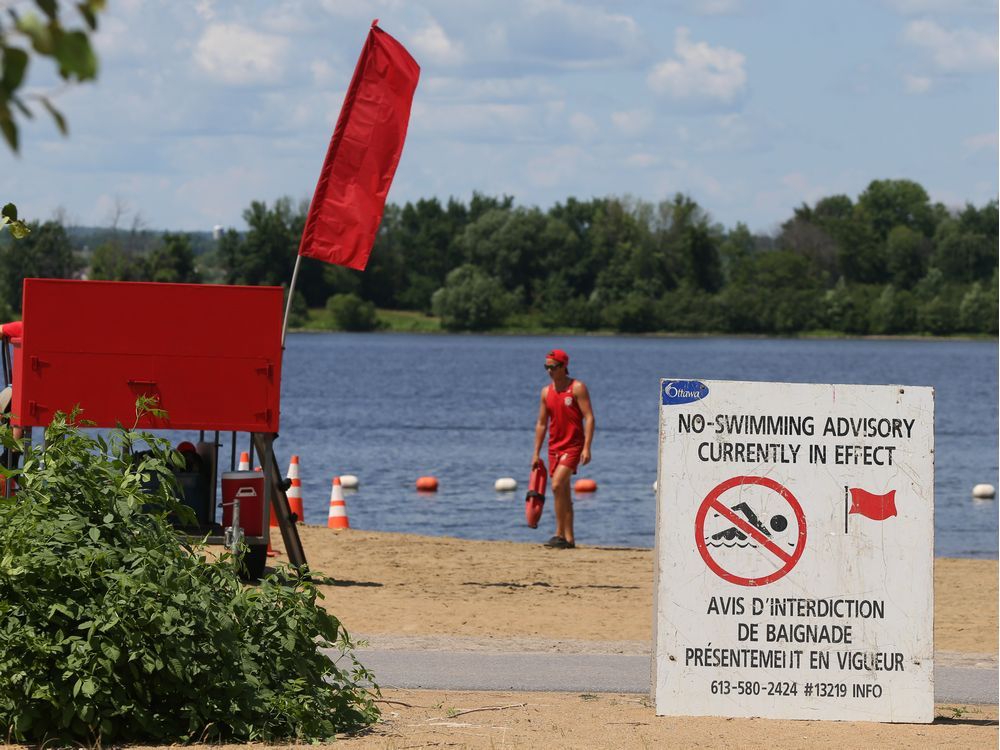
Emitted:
<point x="291" y="293"/>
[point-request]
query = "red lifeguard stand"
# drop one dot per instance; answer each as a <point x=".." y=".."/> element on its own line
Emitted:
<point x="210" y="354"/>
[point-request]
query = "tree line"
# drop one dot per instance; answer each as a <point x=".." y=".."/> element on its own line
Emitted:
<point x="888" y="262"/>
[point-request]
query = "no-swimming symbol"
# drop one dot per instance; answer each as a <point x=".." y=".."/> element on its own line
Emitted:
<point x="750" y="531"/>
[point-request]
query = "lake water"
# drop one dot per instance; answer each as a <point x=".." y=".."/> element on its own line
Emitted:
<point x="392" y="407"/>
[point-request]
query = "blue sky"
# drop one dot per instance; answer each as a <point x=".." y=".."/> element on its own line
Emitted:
<point x="751" y="107"/>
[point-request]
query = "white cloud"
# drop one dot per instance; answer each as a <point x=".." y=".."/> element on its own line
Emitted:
<point x="632" y="122"/>
<point x="583" y="125"/>
<point x="921" y="7"/>
<point x="466" y="90"/>
<point x="361" y="9"/>
<point x="475" y="122"/>
<point x="433" y="45"/>
<point x="717" y="7"/>
<point x="642" y="160"/>
<point x="963" y="50"/>
<point x="205" y="9"/>
<point x="325" y="75"/>
<point x="980" y="142"/>
<point x="568" y="35"/>
<point x="699" y="71"/>
<point x="235" y="54"/>
<point x="555" y="167"/>
<point x="917" y="84"/>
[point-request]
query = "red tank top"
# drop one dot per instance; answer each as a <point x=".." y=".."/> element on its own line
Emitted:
<point x="565" y="419"/>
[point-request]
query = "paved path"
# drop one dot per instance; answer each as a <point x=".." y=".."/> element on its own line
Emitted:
<point x="561" y="666"/>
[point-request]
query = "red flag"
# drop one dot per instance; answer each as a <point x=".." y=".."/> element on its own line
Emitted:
<point x="365" y="148"/>
<point x="876" y="507"/>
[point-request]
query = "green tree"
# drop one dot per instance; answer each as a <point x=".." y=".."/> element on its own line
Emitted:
<point x="688" y="309"/>
<point x="938" y="315"/>
<point x="847" y="307"/>
<point x="634" y="313"/>
<point x="886" y="204"/>
<point x="471" y="300"/>
<point x="112" y="262"/>
<point x="893" y="312"/>
<point x="350" y="313"/>
<point x="737" y="248"/>
<point x="45" y="253"/>
<point x="515" y="246"/>
<point x="977" y="313"/>
<point x="964" y="255"/>
<point x="906" y="256"/>
<point x="428" y="233"/>
<point x="815" y="244"/>
<point x="265" y="255"/>
<point x="774" y="292"/>
<point x="173" y="261"/>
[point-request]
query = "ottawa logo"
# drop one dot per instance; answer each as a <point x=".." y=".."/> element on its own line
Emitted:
<point x="683" y="391"/>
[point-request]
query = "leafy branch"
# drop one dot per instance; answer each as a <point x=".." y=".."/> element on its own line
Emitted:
<point x="41" y="32"/>
<point x="8" y="218"/>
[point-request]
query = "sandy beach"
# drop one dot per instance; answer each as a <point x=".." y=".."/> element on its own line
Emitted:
<point x="435" y="593"/>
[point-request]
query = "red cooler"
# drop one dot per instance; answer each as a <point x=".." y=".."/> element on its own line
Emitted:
<point x="248" y="488"/>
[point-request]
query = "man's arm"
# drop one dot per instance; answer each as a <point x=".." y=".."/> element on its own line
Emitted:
<point x="540" y="424"/>
<point x="583" y="401"/>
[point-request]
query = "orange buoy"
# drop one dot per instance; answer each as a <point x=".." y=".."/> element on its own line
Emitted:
<point x="585" y="485"/>
<point x="427" y="484"/>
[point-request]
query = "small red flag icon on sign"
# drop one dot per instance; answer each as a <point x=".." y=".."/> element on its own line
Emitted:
<point x="364" y="151"/>
<point x="870" y="505"/>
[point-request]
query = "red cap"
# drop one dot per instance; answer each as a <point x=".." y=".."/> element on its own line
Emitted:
<point x="559" y="356"/>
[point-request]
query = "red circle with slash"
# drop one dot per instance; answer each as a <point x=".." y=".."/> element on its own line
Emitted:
<point x="711" y="502"/>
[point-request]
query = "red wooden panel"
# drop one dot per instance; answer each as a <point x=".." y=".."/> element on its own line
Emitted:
<point x="211" y="354"/>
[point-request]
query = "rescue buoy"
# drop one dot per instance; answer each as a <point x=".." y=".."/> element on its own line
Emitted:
<point x="984" y="491"/>
<point x="349" y="481"/>
<point x="505" y="484"/>
<point x="427" y="484"/>
<point x="585" y="485"/>
<point x="534" y="502"/>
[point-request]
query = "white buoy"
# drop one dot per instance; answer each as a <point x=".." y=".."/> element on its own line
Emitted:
<point x="656" y="486"/>
<point x="349" y="482"/>
<point x="505" y="484"/>
<point x="984" y="491"/>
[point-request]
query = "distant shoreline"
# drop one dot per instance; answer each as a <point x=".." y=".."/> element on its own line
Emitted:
<point x="805" y="336"/>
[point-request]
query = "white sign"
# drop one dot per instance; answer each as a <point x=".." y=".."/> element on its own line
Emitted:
<point x="795" y="551"/>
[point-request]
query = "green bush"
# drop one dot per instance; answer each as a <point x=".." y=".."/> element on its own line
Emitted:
<point x="471" y="300"/>
<point x="351" y="313"/>
<point x="113" y="630"/>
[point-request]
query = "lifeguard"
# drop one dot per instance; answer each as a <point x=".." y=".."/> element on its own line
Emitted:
<point x="565" y="412"/>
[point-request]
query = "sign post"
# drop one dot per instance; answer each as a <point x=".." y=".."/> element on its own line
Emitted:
<point x="795" y="551"/>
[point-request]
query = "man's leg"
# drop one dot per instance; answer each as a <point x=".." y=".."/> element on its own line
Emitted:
<point x="563" y="502"/>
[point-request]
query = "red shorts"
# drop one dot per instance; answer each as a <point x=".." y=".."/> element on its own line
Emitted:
<point x="566" y="457"/>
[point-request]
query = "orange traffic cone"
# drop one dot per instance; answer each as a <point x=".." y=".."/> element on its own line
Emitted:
<point x="293" y="468"/>
<point x="338" y="509"/>
<point x="244" y="462"/>
<point x="295" y="500"/>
